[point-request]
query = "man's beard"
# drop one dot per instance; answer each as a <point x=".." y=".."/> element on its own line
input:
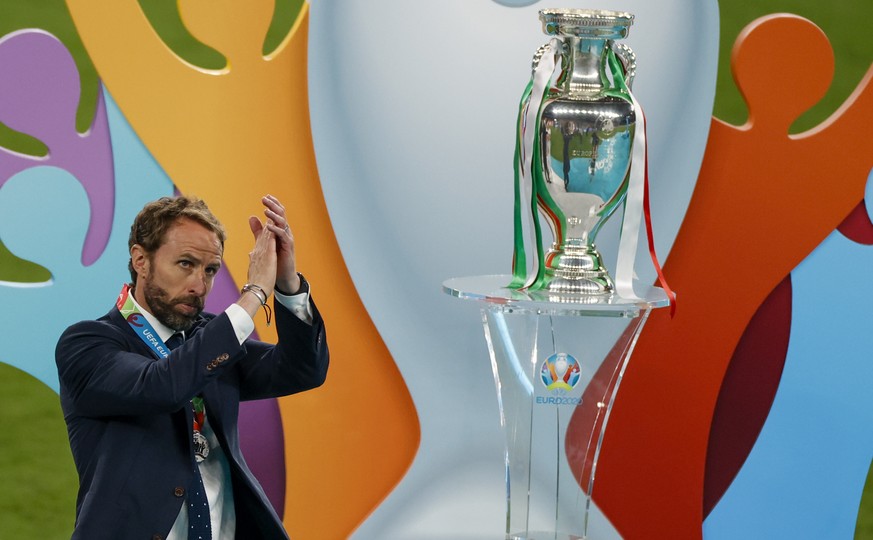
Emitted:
<point x="162" y="307"/>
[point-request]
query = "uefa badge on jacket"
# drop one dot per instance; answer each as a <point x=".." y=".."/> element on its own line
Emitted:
<point x="577" y="127"/>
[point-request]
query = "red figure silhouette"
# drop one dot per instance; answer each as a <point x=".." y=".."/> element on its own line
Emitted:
<point x="764" y="200"/>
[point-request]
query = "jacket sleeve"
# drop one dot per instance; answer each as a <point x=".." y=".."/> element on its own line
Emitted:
<point x="102" y="374"/>
<point x="298" y="362"/>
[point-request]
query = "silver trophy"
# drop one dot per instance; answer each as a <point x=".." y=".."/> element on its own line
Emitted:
<point x="586" y="134"/>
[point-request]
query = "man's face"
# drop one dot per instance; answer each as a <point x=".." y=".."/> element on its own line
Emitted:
<point x="173" y="282"/>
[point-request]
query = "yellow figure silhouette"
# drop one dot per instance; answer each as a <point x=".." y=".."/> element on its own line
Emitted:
<point x="229" y="136"/>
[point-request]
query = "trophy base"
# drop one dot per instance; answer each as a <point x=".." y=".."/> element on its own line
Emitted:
<point x="599" y="284"/>
<point x="577" y="268"/>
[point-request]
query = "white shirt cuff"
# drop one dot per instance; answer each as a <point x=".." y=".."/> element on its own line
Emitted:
<point x="298" y="304"/>
<point x="243" y="325"/>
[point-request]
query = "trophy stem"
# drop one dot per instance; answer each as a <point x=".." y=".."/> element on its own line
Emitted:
<point x="576" y="267"/>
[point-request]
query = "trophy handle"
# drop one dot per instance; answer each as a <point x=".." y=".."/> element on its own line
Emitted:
<point x="628" y="61"/>
<point x="538" y="56"/>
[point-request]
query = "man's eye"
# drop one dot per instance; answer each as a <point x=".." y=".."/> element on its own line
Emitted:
<point x="212" y="271"/>
<point x="186" y="264"/>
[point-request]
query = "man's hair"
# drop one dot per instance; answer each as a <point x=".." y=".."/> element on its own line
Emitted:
<point x="150" y="227"/>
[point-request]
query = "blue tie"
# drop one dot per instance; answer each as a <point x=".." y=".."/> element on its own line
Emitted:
<point x="175" y="340"/>
<point x="199" y="527"/>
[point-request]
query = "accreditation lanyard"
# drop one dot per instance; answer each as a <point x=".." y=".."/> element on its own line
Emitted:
<point x="146" y="332"/>
<point x="140" y="325"/>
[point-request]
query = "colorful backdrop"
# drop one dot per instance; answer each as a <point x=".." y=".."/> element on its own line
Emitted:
<point x="387" y="131"/>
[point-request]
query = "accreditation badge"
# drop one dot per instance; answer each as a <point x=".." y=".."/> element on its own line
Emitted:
<point x="201" y="447"/>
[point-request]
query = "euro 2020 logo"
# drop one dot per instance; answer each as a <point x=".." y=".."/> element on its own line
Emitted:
<point x="560" y="371"/>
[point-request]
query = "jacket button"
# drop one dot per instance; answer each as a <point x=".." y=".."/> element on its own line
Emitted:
<point x="179" y="492"/>
<point x="157" y="537"/>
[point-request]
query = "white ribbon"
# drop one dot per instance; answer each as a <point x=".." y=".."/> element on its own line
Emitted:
<point x="541" y="79"/>
<point x="633" y="209"/>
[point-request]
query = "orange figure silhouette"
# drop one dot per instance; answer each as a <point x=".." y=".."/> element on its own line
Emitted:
<point x="230" y="136"/>
<point x="764" y="200"/>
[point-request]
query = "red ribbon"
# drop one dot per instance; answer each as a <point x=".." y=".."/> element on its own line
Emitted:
<point x="647" y="215"/>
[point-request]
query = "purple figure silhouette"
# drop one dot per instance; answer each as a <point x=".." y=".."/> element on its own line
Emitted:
<point x="39" y="95"/>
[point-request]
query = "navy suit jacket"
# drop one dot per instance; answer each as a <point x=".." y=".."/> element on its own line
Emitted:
<point x="129" y="416"/>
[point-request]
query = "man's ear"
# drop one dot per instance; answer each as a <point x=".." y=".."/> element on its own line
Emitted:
<point x="140" y="260"/>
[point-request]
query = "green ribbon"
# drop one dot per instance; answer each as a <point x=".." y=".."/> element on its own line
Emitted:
<point x="519" y="258"/>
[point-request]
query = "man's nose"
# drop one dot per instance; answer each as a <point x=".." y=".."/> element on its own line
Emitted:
<point x="199" y="283"/>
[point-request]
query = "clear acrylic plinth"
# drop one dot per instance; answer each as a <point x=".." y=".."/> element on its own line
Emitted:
<point x="557" y="361"/>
